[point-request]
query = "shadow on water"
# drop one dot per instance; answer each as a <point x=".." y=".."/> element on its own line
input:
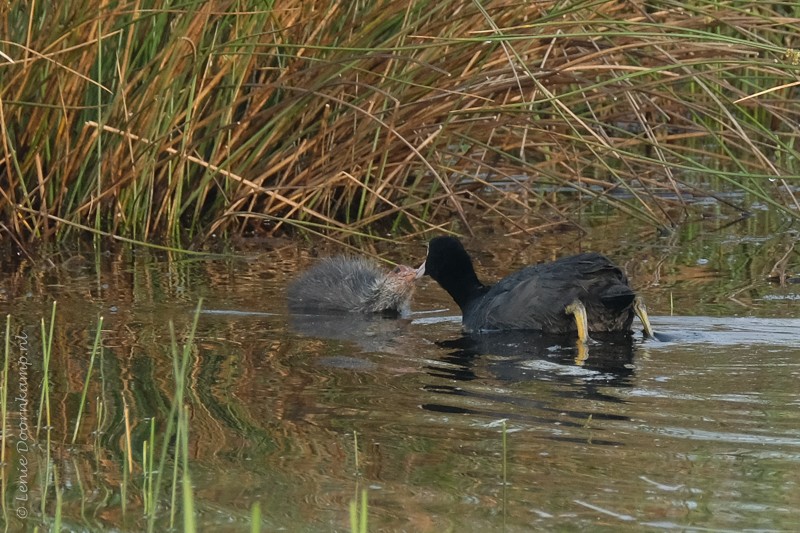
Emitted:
<point x="371" y="333"/>
<point x="366" y="333"/>
<point x="528" y="355"/>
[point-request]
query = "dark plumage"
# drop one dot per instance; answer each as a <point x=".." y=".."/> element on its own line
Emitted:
<point x="347" y="284"/>
<point x="550" y="297"/>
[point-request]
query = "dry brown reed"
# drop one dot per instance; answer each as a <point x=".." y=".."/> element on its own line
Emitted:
<point x="195" y="118"/>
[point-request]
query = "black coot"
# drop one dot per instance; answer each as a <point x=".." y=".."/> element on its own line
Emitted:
<point x="348" y="284"/>
<point x="584" y="293"/>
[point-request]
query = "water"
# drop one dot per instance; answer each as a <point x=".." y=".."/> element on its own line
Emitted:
<point x="698" y="431"/>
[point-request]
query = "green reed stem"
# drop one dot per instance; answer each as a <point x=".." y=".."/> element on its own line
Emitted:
<point x="255" y="518"/>
<point x="148" y="464"/>
<point x="189" y="525"/>
<point x="358" y="514"/>
<point x="95" y="348"/>
<point x="353" y="516"/>
<point x="59" y="500"/>
<point x="145" y="495"/>
<point x="125" y="474"/>
<point x="45" y="480"/>
<point x="101" y="413"/>
<point x="355" y="449"/>
<point x="47" y="350"/>
<point x="148" y="492"/>
<point x="363" y="522"/>
<point x="174" y="491"/>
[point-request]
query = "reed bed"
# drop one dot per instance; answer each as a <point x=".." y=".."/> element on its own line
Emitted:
<point x="192" y="119"/>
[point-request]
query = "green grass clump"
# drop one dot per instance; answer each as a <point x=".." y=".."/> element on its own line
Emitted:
<point x="184" y="120"/>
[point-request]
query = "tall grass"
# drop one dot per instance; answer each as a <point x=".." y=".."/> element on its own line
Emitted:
<point x="193" y="118"/>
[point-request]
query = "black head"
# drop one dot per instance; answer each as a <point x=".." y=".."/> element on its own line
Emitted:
<point x="450" y="265"/>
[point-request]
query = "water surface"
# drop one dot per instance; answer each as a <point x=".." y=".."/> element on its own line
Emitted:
<point x="698" y="431"/>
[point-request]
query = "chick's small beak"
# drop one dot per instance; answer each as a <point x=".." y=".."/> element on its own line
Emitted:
<point x="421" y="271"/>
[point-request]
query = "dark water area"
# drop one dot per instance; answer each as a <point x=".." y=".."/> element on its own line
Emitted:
<point x="697" y="431"/>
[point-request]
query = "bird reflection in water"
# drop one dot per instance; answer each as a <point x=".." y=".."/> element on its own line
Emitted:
<point x="492" y="370"/>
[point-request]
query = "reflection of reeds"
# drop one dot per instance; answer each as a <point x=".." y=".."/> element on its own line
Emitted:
<point x="50" y="491"/>
<point x="142" y="121"/>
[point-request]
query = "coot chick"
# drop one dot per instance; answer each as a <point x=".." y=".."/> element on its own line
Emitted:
<point x="584" y="293"/>
<point x="353" y="285"/>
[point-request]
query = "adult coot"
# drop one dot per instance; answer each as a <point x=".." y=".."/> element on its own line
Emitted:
<point x="584" y="293"/>
<point x="349" y="284"/>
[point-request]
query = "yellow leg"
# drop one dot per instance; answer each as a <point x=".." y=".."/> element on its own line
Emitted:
<point x="576" y="308"/>
<point x="641" y="311"/>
